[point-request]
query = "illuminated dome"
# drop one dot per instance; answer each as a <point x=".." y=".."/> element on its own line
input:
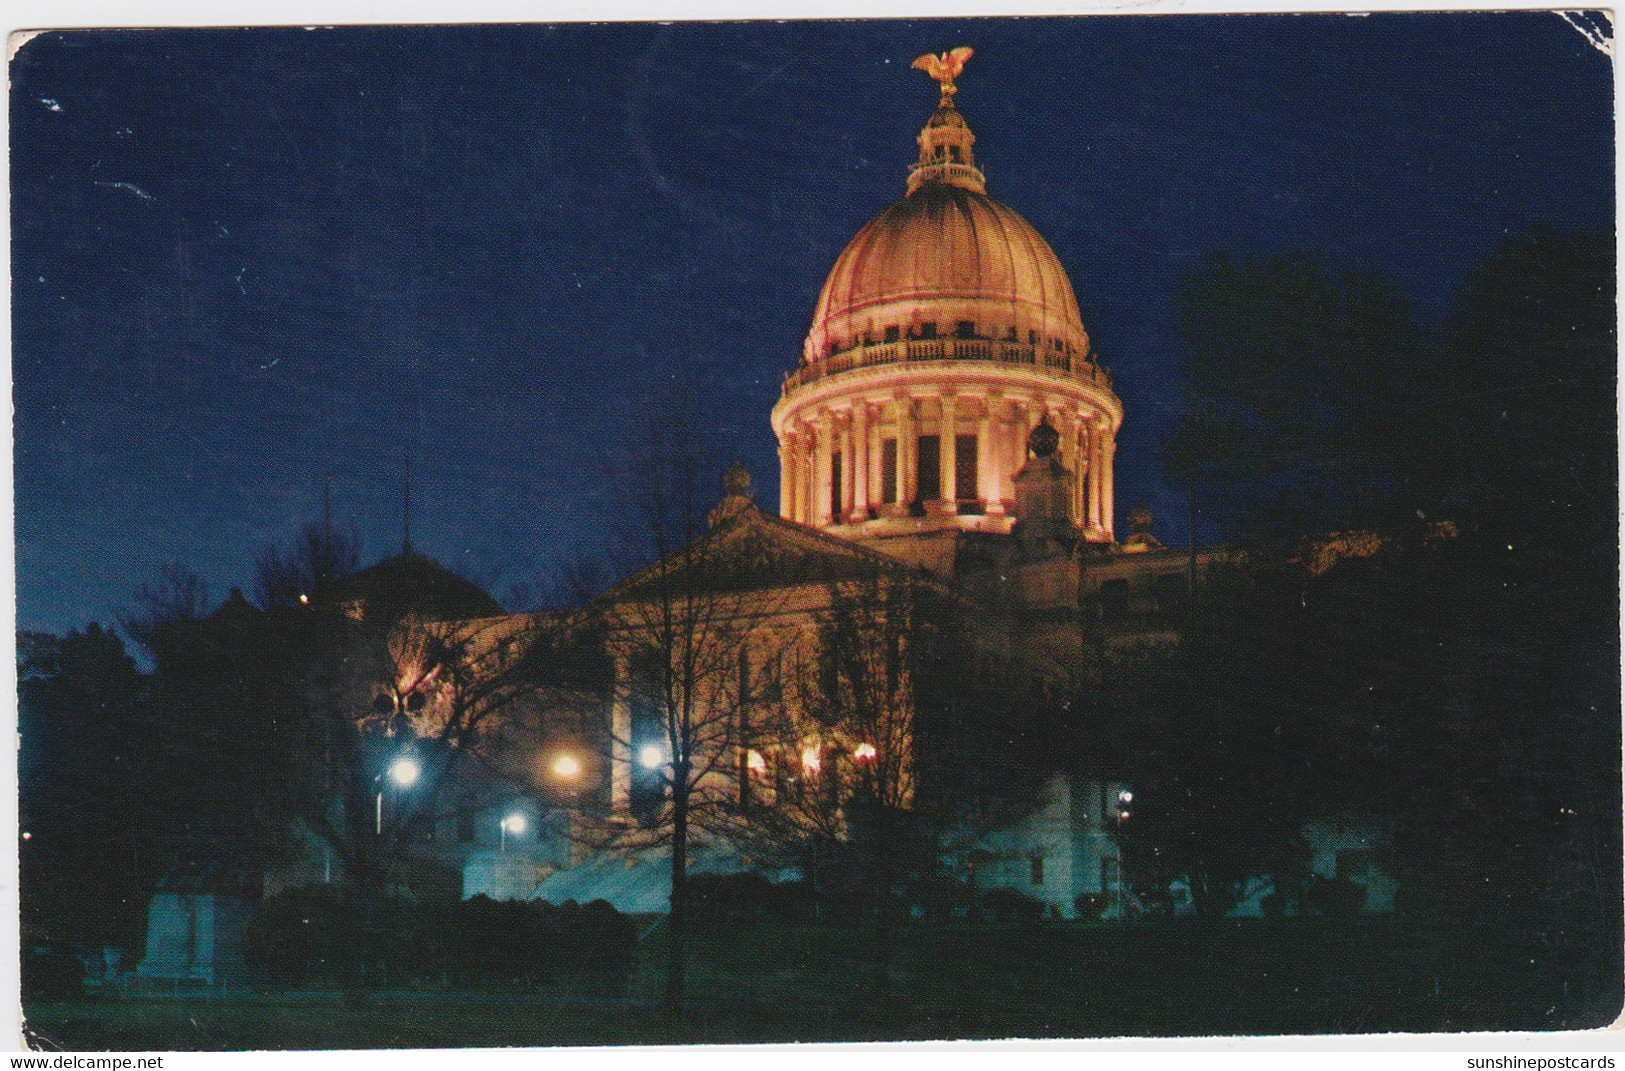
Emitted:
<point x="945" y="333"/>
<point x="942" y="255"/>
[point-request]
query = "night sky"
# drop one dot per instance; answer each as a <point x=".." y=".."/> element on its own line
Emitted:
<point x="243" y="260"/>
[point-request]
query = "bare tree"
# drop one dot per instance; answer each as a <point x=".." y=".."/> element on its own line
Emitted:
<point x="177" y="596"/>
<point x="316" y="557"/>
<point x="685" y="633"/>
<point x="850" y="686"/>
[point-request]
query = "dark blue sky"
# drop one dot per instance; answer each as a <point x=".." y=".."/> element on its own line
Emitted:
<point x="245" y="259"/>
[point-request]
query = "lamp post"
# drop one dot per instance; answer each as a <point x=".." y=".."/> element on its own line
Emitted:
<point x="1124" y="798"/>
<point x="514" y="823"/>
<point x="404" y="773"/>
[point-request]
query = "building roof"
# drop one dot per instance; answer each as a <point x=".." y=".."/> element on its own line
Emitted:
<point x="413" y="584"/>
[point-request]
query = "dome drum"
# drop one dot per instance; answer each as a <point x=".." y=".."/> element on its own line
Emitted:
<point x="868" y="450"/>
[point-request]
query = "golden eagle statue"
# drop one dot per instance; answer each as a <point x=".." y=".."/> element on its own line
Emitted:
<point x="945" y="68"/>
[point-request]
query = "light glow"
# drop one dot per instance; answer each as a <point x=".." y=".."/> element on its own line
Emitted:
<point x="755" y="763"/>
<point x="566" y="765"/>
<point x="864" y="752"/>
<point x="515" y="824"/>
<point x="405" y="772"/>
<point x="1126" y="796"/>
<point x="651" y="757"/>
<point x="811" y="760"/>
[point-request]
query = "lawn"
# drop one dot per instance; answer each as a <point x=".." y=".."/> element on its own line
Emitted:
<point x="819" y="983"/>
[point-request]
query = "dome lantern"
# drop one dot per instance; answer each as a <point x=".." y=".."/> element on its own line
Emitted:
<point x="945" y="143"/>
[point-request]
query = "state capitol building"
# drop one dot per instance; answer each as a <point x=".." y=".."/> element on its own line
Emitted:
<point x="944" y="579"/>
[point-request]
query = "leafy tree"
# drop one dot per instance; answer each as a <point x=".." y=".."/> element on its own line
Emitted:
<point x="86" y="777"/>
<point x="1299" y="386"/>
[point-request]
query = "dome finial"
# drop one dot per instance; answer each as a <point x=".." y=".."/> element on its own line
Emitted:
<point x="945" y="68"/>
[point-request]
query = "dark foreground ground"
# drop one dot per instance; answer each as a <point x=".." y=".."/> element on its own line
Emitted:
<point x="815" y="983"/>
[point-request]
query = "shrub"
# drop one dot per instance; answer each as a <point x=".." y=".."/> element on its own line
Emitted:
<point x="51" y="973"/>
<point x="305" y="935"/>
<point x="322" y="934"/>
<point x="939" y="895"/>
<point x="1337" y="898"/>
<point x="1013" y="905"/>
<point x="1091" y="905"/>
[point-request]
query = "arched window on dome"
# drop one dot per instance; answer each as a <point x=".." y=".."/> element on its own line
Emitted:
<point x="893" y="333"/>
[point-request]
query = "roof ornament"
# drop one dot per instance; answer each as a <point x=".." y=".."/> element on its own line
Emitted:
<point x="945" y="68"/>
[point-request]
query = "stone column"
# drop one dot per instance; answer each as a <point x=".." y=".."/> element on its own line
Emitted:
<point x="1081" y="489"/>
<point x="906" y="447"/>
<point x="848" y="469"/>
<point x="947" y="467"/>
<point x="785" y="450"/>
<point x="1094" y="476"/>
<point x="1018" y="437"/>
<point x="620" y="737"/>
<point x="1108" y="508"/>
<point x="858" y="511"/>
<point x="798" y="475"/>
<point x="875" y="481"/>
<point x="987" y="478"/>
<point x="821" y="471"/>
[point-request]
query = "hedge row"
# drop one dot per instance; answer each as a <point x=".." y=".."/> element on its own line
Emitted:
<point x="326" y="935"/>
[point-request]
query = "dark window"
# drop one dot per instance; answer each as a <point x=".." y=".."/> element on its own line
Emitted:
<point x="892" y="333"/>
<point x="1032" y="338"/>
<point x="965" y="467"/>
<point x="1114" y="600"/>
<point x="953" y="153"/>
<point x="965" y="329"/>
<point x="1038" y="870"/>
<point x="928" y="330"/>
<point x="888" y="470"/>
<point x="835" y="487"/>
<point x="928" y="473"/>
<point x="1012" y="335"/>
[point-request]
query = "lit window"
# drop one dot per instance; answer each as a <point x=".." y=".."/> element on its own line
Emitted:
<point x="811" y="760"/>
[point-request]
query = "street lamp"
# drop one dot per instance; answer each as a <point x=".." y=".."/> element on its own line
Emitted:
<point x="514" y="823"/>
<point x="651" y="757"/>
<point x="404" y="772"/>
<point x="567" y="766"/>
